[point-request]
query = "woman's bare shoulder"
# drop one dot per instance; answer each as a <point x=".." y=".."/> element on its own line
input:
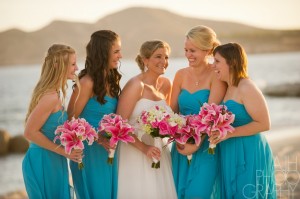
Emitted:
<point x="134" y="83"/>
<point x="86" y="82"/>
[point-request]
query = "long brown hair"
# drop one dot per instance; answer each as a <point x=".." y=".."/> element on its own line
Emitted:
<point x="96" y="65"/>
<point x="53" y="75"/>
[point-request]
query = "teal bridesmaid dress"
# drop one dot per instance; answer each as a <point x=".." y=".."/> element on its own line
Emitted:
<point x="45" y="173"/>
<point x="196" y="180"/>
<point x="97" y="179"/>
<point x="247" y="165"/>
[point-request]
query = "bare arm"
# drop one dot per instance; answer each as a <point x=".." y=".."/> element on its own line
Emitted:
<point x="131" y="93"/>
<point x="167" y="89"/>
<point x="79" y="100"/>
<point x="256" y="107"/>
<point x="175" y="91"/>
<point x="36" y="120"/>
<point x="217" y="90"/>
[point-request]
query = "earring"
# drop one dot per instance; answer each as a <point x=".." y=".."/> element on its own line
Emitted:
<point x="210" y="59"/>
<point x="145" y="68"/>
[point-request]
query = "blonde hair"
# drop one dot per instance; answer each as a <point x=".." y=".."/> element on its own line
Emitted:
<point x="53" y="75"/>
<point x="147" y="49"/>
<point x="203" y="37"/>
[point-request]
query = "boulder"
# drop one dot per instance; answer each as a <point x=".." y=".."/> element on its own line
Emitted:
<point x="4" y="142"/>
<point x="283" y="90"/>
<point x="18" y="144"/>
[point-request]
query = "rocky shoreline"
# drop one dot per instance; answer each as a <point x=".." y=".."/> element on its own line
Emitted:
<point x="9" y="144"/>
<point x="283" y="90"/>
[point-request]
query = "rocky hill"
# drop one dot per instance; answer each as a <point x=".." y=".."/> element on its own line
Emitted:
<point x="136" y="25"/>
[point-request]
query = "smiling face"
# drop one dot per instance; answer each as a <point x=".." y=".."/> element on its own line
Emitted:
<point x="221" y="68"/>
<point x="195" y="55"/>
<point x="158" y="61"/>
<point x="72" y="66"/>
<point x="115" y="54"/>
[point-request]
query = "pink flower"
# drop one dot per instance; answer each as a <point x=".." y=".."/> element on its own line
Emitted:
<point x="120" y="132"/>
<point x="159" y="122"/>
<point x="73" y="133"/>
<point x="216" y="118"/>
<point x="115" y="129"/>
<point x="71" y="141"/>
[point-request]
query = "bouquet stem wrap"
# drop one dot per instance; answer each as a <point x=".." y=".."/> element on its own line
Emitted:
<point x="189" y="158"/>
<point x="158" y="144"/>
<point x="80" y="165"/>
<point x="111" y="156"/>
<point x="211" y="149"/>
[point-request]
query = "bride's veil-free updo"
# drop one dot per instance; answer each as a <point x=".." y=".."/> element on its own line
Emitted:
<point x="147" y="49"/>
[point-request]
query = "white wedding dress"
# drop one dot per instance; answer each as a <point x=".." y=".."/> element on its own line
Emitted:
<point x="136" y="179"/>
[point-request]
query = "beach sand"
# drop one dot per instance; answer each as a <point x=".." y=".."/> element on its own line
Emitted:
<point x="285" y="144"/>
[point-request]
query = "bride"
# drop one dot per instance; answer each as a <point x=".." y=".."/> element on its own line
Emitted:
<point x="136" y="177"/>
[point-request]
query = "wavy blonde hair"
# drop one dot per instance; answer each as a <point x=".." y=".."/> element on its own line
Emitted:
<point x="53" y="75"/>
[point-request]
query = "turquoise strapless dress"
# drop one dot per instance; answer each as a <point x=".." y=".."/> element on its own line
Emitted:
<point x="97" y="179"/>
<point x="247" y="166"/>
<point x="45" y="173"/>
<point x="196" y="180"/>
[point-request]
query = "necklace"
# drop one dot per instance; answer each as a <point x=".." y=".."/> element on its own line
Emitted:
<point x="194" y="78"/>
<point x="197" y="82"/>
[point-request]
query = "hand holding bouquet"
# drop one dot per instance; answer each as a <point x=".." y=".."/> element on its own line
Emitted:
<point x="114" y="128"/>
<point x="216" y="118"/>
<point x="73" y="133"/>
<point x="191" y="133"/>
<point x="159" y="122"/>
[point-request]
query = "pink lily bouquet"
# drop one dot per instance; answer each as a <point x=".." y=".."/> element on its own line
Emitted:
<point x="216" y="118"/>
<point x="190" y="133"/>
<point x="116" y="129"/>
<point x="159" y="122"/>
<point x="73" y="133"/>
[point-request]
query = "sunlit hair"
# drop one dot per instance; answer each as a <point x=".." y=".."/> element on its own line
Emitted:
<point x="236" y="59"/>
<point x="98" y="52"/>
<point x="53" y="75"/>
<point x="203" y="37"/>
<point x="147" y="49"/>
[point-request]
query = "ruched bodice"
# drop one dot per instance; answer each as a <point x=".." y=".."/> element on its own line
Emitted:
<point x="241" y="115"/>
<point x="94" y="111"/>
<point x="190" y="103"/>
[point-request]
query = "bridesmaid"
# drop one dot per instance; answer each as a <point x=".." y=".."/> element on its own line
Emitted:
<point x="100" y="88"/>
<point x="45" y="168"/>
<point x="247" y="165"/>
<point x="193" y="86"/>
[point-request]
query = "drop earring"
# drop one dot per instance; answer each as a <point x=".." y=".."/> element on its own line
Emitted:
<point x="210" y="59"/>
<point x="146" y="68"/>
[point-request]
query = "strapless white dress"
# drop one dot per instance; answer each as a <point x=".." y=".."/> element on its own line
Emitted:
<point x="136" y="178"/>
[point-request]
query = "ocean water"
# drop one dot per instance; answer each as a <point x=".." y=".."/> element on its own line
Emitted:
<point x="17" y="82"/>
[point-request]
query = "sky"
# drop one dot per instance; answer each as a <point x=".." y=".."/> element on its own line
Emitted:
<point x="31" y="15"/>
